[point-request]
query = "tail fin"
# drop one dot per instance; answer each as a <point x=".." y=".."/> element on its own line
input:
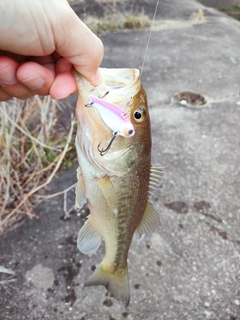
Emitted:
<point x="116" y="283"/>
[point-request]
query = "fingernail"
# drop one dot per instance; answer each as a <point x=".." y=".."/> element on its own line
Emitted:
<point x="34" y="82"/>
<point x="60" y="96"/>
<point x="7" y="75"/>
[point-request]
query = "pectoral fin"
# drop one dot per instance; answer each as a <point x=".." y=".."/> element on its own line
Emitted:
<point x="80" y="190"/>
<point x="109" y="193"/>
<point x="150" y="220"/>
<point x="89" y="240"/>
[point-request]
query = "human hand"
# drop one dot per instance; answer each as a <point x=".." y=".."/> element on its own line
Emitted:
<point x="40" y="42"/>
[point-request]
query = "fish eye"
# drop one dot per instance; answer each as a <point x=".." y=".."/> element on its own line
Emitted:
<point x="139" y="114"/>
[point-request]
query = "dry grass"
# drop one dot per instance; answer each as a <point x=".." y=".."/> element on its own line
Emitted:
<point x="117" y="22"/>
<point x="115" y="16"/>
<point x="33" y="146"/>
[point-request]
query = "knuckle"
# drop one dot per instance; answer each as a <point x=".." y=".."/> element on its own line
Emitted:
<point x="99" y="52"/>
<point x="94" y="56"/>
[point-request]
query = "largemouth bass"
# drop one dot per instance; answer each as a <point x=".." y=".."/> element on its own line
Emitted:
<point x="117" y="184"/>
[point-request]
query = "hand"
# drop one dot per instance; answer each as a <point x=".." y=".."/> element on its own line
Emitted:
<point x="40" y="42"/>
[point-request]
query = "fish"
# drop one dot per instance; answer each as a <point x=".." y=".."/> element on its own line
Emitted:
<point x="117" y="186"/>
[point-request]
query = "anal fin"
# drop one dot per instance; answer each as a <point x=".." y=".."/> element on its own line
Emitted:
<point x="89" y="240"/>
<point x="109" y="193"/>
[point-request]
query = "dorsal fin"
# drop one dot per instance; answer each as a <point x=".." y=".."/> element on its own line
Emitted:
<point x="150" y="220"/>
<point x="156" y="173"/>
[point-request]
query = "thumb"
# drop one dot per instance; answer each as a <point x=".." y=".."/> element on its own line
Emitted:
<point x="78" y="44"/>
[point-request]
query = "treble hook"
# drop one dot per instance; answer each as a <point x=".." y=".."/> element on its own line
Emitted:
<point x="99" y="92"/>
<point x="104" y="151"/>
<point x="104" y="95"/>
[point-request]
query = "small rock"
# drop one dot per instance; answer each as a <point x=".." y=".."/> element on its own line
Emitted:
<point x="41" y="277"/>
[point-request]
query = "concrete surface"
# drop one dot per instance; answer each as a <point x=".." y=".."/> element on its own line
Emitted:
<point x="189" y="269"/>
<point x="220" y="3"/>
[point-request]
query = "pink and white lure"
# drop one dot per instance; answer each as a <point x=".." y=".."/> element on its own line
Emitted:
<point x="113" y="116"/>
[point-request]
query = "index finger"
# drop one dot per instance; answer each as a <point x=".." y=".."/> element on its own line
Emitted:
<point x="79" y="45"/>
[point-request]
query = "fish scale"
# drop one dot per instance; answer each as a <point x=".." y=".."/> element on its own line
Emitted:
<point x="124" y="203"/>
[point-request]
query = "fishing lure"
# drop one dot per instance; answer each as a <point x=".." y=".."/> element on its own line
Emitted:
<point x="113" y="117"/>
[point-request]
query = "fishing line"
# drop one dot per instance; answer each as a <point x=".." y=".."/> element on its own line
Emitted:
<point x="149" y="37"/>
<point x="104" y="151"/>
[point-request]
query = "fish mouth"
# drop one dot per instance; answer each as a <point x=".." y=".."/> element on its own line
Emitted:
<point x="118" y="87"/>
<point x="122" y="85"/>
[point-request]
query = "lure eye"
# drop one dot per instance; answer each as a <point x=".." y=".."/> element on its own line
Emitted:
<point x="139" y="114"/>
<point x="127" y="130"/>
